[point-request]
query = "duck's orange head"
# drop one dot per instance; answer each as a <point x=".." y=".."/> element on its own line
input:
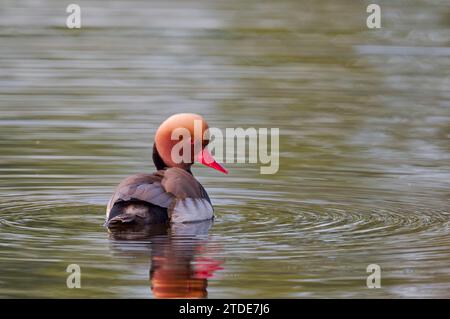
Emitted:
<point x="182" y="139"/>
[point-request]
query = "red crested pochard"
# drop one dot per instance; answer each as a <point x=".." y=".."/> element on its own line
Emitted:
<point x="171" y="194"/>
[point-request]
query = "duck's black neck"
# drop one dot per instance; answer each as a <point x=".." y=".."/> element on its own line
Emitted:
<point x="159" y="163"/>
<point x="157" y="160"/>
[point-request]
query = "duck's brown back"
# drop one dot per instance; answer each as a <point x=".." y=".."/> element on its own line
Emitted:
<point x="174" y="189"/>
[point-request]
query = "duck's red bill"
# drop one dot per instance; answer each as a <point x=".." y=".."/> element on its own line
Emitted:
<point x="205" y="158"/>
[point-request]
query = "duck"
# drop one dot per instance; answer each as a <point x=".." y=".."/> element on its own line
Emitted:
<point x="171" y="194"/>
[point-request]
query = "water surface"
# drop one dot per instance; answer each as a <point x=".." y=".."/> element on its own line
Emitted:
<point x="364" y="118"/>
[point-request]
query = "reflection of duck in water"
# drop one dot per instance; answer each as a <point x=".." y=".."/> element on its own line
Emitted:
<point x="178" y="269"/>
<point x="172" y="193"/>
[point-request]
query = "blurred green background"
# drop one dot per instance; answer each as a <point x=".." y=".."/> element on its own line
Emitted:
<point x="364" y="118"/>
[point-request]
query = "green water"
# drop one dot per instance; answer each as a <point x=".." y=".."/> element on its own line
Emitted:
<point x="364" y="119"/>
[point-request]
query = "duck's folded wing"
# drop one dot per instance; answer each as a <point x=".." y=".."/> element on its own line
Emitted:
<point x="141" y="187"/>
<point x="191" y="202"/>
<point x="173" y="188"/>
